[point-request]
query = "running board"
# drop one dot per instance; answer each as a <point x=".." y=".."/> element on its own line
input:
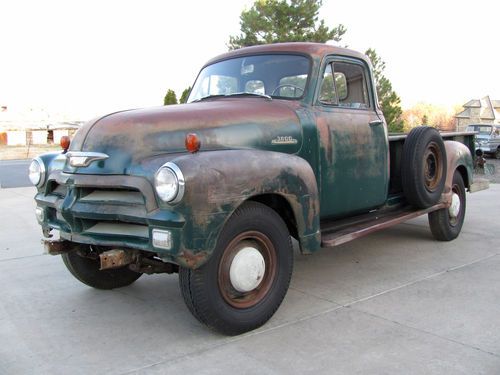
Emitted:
<point x="335" y="235"/>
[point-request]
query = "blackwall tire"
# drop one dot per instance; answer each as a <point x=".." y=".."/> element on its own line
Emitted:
<point x="446" y="223"/>
<point x="215" y="293"/>
<point x="423" y="167"/>
<point x="87" y="271"/>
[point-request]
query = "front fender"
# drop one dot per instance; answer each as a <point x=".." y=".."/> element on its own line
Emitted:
<point x="218" y="182"/>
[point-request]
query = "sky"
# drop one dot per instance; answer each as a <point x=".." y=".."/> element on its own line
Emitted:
<point x="86" y="58"/>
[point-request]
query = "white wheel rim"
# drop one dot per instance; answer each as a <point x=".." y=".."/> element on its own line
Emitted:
<point x="247" y="270"/>
<point x="454" y="209"/>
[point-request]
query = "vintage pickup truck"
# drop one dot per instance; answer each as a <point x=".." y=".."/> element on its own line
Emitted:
<point x="487" y="138"/>
<point x="276" y="141"/>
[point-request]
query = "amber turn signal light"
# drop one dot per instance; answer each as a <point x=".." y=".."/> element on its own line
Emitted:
<point x="192" y="143"/>
<point x="65" y="142"/>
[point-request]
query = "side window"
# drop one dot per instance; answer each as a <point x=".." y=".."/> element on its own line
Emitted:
<point x="351" y="85"/>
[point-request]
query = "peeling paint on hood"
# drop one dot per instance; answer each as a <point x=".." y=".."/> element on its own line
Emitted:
<point x="223" y="123"/>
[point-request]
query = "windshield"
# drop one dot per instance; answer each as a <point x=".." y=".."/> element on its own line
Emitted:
<point x="278" y="76"/>
<point x="482" y="129"/>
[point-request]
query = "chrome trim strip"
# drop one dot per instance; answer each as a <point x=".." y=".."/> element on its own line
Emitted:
<point x="43" y="172"/>
<point x="84" y="159"/>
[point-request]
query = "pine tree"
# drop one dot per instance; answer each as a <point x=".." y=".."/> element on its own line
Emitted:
<point x="184" y="96"/>
<point x="389" y="101"/>
<point x="275" y="21"/>
<point x="170" y="98"/>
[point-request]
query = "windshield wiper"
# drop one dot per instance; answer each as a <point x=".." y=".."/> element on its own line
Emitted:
<point x="234" y="94"/>
<point x="251" y="94"/>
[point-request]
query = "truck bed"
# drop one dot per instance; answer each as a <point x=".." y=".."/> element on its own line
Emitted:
<point x="448" y="136"/>
<point x="396" y="142"/>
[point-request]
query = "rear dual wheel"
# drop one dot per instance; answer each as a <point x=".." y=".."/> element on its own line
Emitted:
<point x="446" y="223"/>
<point x="248" y="275"/>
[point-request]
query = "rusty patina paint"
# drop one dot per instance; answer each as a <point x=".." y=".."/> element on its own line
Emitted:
<point x="218" y="186"/>
<point x="130" y="137"/>
<point x="189" y="259"/>
<point x="458" y="157"/>
<point x="354" y="160"/>
<point x="116" y="258"/>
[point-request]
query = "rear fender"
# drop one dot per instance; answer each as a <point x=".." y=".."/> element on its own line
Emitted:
<point x="458" y="157"/>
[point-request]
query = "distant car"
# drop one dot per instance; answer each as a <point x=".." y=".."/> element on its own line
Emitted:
<point x="487" y="138"/>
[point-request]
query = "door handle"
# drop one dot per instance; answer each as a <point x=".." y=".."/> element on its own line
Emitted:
<point x="375" y="122"/>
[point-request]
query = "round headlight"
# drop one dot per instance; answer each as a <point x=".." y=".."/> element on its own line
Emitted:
<point x="36" y="172"/>
<point x="169" y="183"/>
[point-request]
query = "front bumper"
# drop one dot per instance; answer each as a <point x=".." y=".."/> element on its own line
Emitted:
<point x="487" y="148"/>
<point x="109" y="210"/>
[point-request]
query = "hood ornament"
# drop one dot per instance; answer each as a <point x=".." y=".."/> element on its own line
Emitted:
<point x="84" y="159"/>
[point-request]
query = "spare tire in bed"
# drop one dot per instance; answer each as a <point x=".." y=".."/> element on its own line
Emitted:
<point x="423" y="167"/>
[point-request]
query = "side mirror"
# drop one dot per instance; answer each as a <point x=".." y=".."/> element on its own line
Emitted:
<point x="341" y="85"/>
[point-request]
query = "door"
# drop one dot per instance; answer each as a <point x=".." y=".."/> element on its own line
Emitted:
<point x="354" y="148"/>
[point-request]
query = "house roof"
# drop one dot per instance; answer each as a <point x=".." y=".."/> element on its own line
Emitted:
<point x="488" y="109"/>
<point x="472" y="104"/>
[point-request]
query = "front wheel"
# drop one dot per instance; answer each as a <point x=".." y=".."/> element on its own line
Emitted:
<point x="85" y="268"/>
<point x="446" y="223"/>
<point x="247" y="277"/>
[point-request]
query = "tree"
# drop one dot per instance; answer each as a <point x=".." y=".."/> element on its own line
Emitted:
<point x="442" y="118"/>
<point x="390" y="102"/>
<point x="170" y="98"/>
<point x="425" y="120"/>
<point x="184" y="95"/>
<point x="275" y="21"/>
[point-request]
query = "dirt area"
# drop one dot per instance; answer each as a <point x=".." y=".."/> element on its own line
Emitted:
<point x="22" y="152"/>
<point x="492" y="170"/>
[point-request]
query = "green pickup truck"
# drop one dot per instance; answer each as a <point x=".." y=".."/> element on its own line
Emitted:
<point x="276" y="141"/>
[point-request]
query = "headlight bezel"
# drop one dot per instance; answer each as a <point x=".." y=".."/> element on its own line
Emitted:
<point x="180" y="183"/>
<point x="41" y="173"/>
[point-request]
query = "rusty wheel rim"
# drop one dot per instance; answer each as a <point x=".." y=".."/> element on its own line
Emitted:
<point x="265" y="247"/>
<point x="433" y="167"/>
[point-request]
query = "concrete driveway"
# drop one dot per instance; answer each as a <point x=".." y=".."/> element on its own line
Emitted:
<point x="395" y="302"/>
<point x="14" y="173"/>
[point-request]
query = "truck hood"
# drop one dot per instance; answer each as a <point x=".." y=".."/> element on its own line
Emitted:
<point x="130" y="137"/>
